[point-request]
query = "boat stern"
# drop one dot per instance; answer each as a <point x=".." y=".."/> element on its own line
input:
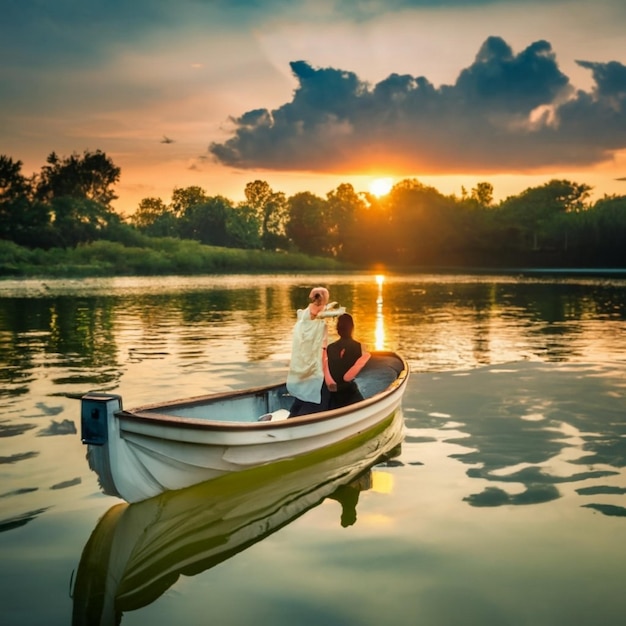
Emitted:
<point x="95" y="412"/>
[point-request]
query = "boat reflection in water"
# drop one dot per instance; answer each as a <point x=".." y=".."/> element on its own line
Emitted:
<point x="138" y="551"/>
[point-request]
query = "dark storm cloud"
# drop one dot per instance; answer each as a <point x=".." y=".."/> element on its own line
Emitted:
<point x="505" y="111"/>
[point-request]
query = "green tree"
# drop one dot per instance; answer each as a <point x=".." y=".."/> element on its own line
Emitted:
<point x="13" y="184"/>
<point x="242" y="226"/>
<point x="536" y="212"/>
<point x="369" y="243"/>
<point x="421" y="225"/>
<point x="603" y="232"/>
<point x="154" y="218"/>
<point x="184" y="198"/>
<point x="79" y="220"/>
<point x="22" y="219"/>
<point x="78" y="192"/>
<point x="89" y="177"/>
<point x="483" y="193"/>
<point x="344" y="206"/>
<point x="307" y="224"/>
<point x="474" y="233"/>
<point x="207" y="222"/>
<point x="272" y="211"/>
<point x="148" y="212"/>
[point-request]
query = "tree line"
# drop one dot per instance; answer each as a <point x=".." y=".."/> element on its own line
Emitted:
<point x="69" y="203"/>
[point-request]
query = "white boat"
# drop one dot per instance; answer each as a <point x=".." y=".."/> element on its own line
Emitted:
<point x="141" y="453"/>
<point x="138" y="551"/>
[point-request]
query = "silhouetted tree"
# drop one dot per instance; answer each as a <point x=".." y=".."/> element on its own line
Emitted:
<point x="344" y="206"/>
<point x="153" y="217"/>
<point x="534" y="212"/>
<point x="78" y="220"/>
<point x="89" y="177"/>
<point x="242" y="226"/>
<point x="69" y="203"/>
<point x="13" y="184"/>
<point x="207" y="222"/>
<point x="271" y="210"/>
<point x="185" y="198"/>
<point x="370" y="242"/>
<point x="602" y="236"/>
<point x="306" y="226"/>
<point x="420" y="222"/>
<point x="483" y="193"/>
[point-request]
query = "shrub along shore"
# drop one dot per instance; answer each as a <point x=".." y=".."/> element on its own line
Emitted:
<point x="163" y="256"/>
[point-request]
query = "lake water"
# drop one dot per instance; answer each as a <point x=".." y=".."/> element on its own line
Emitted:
<point x="506" y="503"/>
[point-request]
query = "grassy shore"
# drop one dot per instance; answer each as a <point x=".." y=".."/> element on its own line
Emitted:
<point x="160" y="256"/>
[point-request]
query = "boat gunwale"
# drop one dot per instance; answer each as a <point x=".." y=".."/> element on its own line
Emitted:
<point x="148" y="414"/>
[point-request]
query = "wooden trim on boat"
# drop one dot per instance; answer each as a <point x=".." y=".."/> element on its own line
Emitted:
<point x="174" y="421"/>
<point x="148" y="414"/>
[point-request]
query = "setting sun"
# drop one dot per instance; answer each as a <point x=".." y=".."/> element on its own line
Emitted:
<point x="381" y="186"/>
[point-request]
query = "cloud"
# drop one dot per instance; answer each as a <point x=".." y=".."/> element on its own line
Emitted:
<point x="505" y="112"/>
<point x="76" y="34"/>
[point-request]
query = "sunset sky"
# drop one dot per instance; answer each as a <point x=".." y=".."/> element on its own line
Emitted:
<point x="309" y="94"/>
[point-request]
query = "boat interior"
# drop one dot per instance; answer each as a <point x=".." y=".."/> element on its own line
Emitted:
<point x="273" y="403"/>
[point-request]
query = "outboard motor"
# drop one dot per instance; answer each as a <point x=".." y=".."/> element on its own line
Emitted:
<point x="95" y="411"/>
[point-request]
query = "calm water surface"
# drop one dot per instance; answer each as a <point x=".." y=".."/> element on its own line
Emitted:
<point x="505" y="505"/>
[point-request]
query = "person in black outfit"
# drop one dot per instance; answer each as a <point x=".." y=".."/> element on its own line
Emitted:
<point x="346" y="358"/>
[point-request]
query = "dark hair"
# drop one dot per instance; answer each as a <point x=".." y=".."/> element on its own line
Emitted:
<point x="345" y="325"/>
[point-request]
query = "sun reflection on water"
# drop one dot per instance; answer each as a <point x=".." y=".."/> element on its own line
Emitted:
<point x="379" y="331"/>
<point x="382" y="482"/>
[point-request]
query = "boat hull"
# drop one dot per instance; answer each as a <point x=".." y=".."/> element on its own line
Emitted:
<point x="141" y="453"/>
<point x="137" y="551"/>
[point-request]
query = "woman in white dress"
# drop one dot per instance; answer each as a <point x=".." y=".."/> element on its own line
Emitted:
<point x="308" y="370"/>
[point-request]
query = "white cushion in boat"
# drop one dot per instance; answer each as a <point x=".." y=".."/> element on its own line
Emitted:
<point x="280" y="414"/>
<point x="275" y="416"/>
